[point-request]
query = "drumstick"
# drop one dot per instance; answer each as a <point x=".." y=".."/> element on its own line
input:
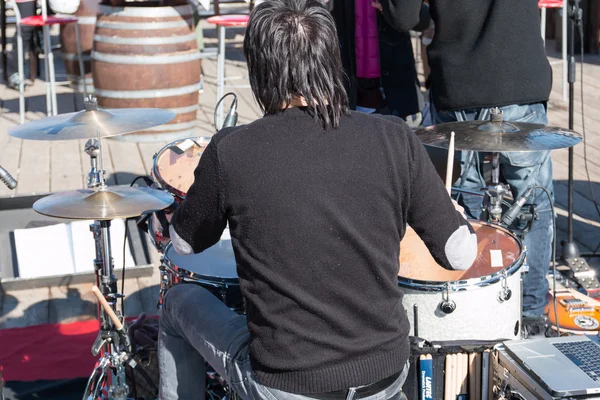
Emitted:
<point x="464" y="374"/>
<point x="107" y="308"/>
<point x="450" y="164"/>
<point x="448" y="378"/>
<point x="472" y="375"/>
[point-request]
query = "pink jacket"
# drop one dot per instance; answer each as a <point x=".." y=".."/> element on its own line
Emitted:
<point x="367" y="40"/>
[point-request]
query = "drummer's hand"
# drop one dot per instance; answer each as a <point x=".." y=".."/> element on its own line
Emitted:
<point x="170" y="211"/>
<point x="377" y="5"/>
<point x="458" y="207"/>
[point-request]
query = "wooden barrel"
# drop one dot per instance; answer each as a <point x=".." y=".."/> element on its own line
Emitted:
<point x="148" y="57"/>
<point x="86" y="14"/>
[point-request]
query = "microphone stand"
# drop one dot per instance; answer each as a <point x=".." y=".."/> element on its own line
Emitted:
<point x="570" y="250"/>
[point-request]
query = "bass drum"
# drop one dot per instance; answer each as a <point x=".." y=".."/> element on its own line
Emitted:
<point x="482" y="303"/>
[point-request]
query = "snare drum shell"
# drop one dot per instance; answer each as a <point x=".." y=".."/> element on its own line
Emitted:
<point x="479" y="314"/>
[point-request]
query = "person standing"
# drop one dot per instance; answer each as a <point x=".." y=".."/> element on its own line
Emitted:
<point x="378" y="60"/>
<point x="489" y="53"/>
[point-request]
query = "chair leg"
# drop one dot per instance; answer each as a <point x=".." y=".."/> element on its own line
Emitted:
<point x="543" y="24"/>
<point x="220" y="73"/>
<point x="80" y="59"/>
<point x="52" y="76"/>
<point x="47" y="76"/>
<point x="21" y="75"/>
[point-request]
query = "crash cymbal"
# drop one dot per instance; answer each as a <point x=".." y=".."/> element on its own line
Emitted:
<point x="488" y="136"/>
<point x="107" y="204"/>
<point x="88" y="123"/>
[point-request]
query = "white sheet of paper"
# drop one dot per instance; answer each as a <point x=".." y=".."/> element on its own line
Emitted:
<point x="64" y="249"/>
<point x="496" y="258"/>
<point x="44" y="251"/>
<point x="84" y="251"/>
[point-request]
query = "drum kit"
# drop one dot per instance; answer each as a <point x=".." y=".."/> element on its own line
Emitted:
<point x="482" y="303"/>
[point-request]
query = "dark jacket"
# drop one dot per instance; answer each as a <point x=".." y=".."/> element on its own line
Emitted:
<point x="485" y="53"/>
<point x="398" y="72"/>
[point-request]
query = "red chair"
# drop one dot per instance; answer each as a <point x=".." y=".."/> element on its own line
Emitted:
<point x="543" y="5"/>
<point x="45" y="22"/>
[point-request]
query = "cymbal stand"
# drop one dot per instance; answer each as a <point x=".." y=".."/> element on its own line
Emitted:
<point x="495" y="192"/>
<point x="108" y="381"/>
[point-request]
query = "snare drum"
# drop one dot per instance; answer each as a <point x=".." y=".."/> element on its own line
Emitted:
<point x="174" y="164"/>
<point x="481" y="303"/>
<point x="213" y="269"/>
<point x="173" y="171"/>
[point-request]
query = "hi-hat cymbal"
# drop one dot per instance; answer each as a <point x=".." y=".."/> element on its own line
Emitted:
<point x="488" y="136"/>
<point x="107" y="204"/>
<point x="87" y="124"/>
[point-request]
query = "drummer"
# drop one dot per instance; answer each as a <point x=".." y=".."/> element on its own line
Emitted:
<point x="497" y="59"/>
<point x="317" y="199"/>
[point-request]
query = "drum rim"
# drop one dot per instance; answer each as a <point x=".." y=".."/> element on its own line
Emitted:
<point x="196" y="277"/>
<point x="470" y="283"/>
<point x="156" y="172"/>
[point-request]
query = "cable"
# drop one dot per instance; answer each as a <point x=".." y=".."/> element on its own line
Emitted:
<point x="219" y="103"/>
<point x="553" y="255"/>
<point x="148" y="182"/>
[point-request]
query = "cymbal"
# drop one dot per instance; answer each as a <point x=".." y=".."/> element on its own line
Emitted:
<point x="86" y="124"/>
<point x="488" y="136"/>
<point x="110" y="203"/>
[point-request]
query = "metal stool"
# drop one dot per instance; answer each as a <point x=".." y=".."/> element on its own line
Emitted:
<point x="45" y="22"/>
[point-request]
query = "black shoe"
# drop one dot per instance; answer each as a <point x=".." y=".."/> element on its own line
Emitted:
<point x="13" y="81"/>
<point x="535" y="326"/>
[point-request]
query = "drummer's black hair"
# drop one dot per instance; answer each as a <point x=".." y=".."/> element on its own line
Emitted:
<point x="292" y="49"/>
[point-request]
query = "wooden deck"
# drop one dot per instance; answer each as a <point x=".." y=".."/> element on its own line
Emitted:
<point x="46" y="167"/>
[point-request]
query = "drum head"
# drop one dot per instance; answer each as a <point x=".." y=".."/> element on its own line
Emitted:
<point x="497" y="249"/>
<point x="215" y="263"/>
<point x="175" y="163"/>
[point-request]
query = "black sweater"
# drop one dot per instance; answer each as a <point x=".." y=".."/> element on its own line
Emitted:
<point x="316" y="217"/>
<point x="485" y="52"/>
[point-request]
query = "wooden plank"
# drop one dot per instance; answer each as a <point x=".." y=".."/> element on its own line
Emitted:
<point x="147" y="152"/>
<point x="65" y="166"/>
<point x="133" y="299"/>
<point x="126" y="160"/>
<point x="34" y="168"/>
<point x="72" y="303"/>
<point x="10" y="153"/>
<point x="22" y="308"/>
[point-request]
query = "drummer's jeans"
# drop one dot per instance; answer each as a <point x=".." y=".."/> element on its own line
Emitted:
<point x="195" y="326"/>
<point x="520" y="170"/>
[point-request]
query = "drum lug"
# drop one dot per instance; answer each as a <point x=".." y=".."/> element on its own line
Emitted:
<point x="525" y="265"/>
<point x="165" y="284"/>
<point x="447" y="305"/>
<point x="505" y="293"/>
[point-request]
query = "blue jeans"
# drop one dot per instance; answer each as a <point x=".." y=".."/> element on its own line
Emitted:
<point x="196" y="327"/>
<point x="520" y="170"/>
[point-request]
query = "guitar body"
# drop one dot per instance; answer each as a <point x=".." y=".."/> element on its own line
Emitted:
<point x="576" y="313"/>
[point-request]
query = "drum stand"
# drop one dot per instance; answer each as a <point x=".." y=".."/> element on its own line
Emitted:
<point x="108" y="381"/>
